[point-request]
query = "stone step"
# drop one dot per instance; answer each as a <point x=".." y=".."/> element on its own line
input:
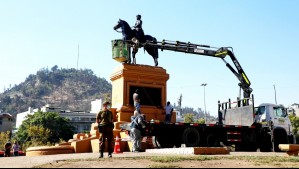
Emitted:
<point x="291" y="149"/>
<point x="190" y="150"/>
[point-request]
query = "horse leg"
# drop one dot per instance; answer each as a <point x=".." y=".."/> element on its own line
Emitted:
<point x="134" y="59"/>
<point x="156" y="56"/>
<point x="135" y="50"/>
<point x="129" y="60"/>
<point x="156" y="61"/>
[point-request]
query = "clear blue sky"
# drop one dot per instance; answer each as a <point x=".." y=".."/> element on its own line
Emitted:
<point x="37" y="34"/>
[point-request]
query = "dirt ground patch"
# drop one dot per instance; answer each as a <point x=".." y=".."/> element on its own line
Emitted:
<point x="175" y="162"/>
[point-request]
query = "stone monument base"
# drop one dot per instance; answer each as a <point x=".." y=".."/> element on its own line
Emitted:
<point x="151" y="84"/>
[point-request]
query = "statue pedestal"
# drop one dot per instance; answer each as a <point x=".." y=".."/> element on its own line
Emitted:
<point x="151" y="84"/>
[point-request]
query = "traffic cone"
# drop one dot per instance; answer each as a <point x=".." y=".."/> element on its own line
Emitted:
<point x="117" y="145"/>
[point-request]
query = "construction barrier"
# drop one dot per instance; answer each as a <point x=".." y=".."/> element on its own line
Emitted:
<point x="117" y="146"/>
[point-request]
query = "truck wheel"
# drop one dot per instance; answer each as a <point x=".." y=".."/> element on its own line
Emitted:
<point x="266" y="144"/>
<point x="156" y="144"/>
<point x="280" y="137"/>
<point x="212" y="140"/>
<point x="191" y="137"/>
<point x="162" y="142"/>
<point x="266" y="148"/>
<point x="291" y="139"/>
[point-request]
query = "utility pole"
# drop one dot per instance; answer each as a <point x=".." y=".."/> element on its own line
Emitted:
<point x="204" y="99"/>
<point x="78" y="57"/>
<point x="77" y="70"/>
<point x="275" y="94"/>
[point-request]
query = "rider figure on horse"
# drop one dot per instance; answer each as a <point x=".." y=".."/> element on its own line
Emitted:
<point x="138" y="28"/>
<point x="129" y="35"/>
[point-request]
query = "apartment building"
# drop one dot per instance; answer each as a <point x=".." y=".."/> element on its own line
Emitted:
<point x="294" y="109"/>
<point x="80" y="120"/>
<point x="6" y="122"/>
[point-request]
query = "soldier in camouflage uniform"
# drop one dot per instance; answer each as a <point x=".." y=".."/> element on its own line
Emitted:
<point x="105" y="124"/>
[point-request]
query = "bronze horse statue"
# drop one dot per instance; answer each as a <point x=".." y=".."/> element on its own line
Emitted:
<point x="129" y="34"/>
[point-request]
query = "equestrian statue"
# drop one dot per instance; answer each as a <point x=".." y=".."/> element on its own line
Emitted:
<point x="135" y="37"/>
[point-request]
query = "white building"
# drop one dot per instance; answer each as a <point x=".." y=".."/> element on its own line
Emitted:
<point x="96" y="106"/>
<point x="22" y="116"/>
<point x="80" y="120"/>
<point x="50" y="108"/>
<point x="6" y="122"/>
<point x="294" y="109"/>
<point x="179" y="117"/>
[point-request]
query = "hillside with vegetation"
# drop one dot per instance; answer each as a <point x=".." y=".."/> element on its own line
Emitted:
<point x="70" y="89"/>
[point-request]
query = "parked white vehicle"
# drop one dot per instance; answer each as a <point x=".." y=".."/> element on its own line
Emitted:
<point x="275" y="118"/>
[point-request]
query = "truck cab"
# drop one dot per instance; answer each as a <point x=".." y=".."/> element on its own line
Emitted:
<point x="275" y="118"/>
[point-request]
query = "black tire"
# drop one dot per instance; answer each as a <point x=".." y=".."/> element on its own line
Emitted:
<point x="177" y="141"/>
<point x="156" y="144"/>
<point x="249" y="146"/>
<point x="280" y="137"/>
<point x="191" y="137"/>
<point x="248" y="142"/>
<point x="162" y="142"/>
<point x="291" y="139"/>
<point x="212" y="140"/>
<point x="266" y="148"/>
<point x="266" y="144"/>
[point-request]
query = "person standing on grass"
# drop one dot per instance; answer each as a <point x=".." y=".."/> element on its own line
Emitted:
<point x="16" y="148"/>
<point x="7" y="149"/>
<point x="105" y="125"/>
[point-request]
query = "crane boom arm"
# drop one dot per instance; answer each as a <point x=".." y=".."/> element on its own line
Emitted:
<point x="207" y="50"/>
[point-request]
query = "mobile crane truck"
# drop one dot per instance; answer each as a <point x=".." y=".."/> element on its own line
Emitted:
<point x="244" y="126"/>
